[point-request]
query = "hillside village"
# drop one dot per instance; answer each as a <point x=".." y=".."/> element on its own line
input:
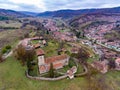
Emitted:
<point x="60" y="61"/>
<point x="95" y="40"/>
<point x="71" y="53"/>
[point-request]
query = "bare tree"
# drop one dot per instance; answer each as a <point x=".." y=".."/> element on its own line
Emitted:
<point x="95" y="80"/>
<point x="111" y="64"/>
<point x="51" y="71"/>
<point x="24" y="55"/>
<point x="1" y="59"/>
<point x="82" y="55"/>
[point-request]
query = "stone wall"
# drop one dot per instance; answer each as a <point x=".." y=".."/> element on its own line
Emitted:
<point x="44" y="78"/>
<point x="84" y="73"/>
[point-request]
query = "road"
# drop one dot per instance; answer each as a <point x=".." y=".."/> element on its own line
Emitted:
<point x="24" y="42"/>
<point x="9" y="54"/>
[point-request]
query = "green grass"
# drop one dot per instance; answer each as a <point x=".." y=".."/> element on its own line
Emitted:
<point x="10" y="37"/>
<point x="64" y="69"/>
<point x="35" y="71"/>
<point x="51" y="49"/>
<point x="79" y="69"/>
<point x="113" y="79"/>
<point x="35" y="41"/>
<point x="91" y="59"/>
<point x="12" y="77"/>
<point x="62" y="31"/>
<point x="32" y="34"/>
<point x="15" y="24"/>
<point x="48" y="76"/>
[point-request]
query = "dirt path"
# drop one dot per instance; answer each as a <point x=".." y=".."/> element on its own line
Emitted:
<point x="9" y="54"/>
<point x="24" y="41"/>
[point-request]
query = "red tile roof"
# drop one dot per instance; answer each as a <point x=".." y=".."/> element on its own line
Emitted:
<point x="117" y="60"/>
<point x="55" y="58"/>
<point x="36" y="45"/>
<point x="58" y="65"/>
<point x="74" y="49"/>
<point x="40" y="52"/>
<point x="98" y="65"/>
<point x="44" y="42"/>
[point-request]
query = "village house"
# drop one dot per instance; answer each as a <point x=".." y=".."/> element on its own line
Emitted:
<point x="100" y="66"/>
<point x="36" y="46"/>
<point x="64" y="36"/>
<point x="71" y="72"/>
<point x="44" y="42"/>
<point x="74" y="50"/>
<point x="25" y="42"/>
<point x="44" y="63"/>
<point x="117" y="62"/>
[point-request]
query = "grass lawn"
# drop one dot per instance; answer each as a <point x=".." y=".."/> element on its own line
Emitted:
<point x="66" y="68"/>
<point x="48" y="76"/>
<point x="35" y="41"/>
<point x="113" y="79"/>
<point x="62" y="31"/>
<point x="79" y="69"/>
<point x="51" y="49"/>
<point x="32" y="34"/>
<point x="12" y="77"/>
<point x="10" y="37"/>
<point x="91" y="59"/>
<point x="15" y="24"/>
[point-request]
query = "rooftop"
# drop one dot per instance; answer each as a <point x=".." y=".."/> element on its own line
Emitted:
<point x="118" y="60"/>
<point x="36" y="45"/>
<point x="40" y="52"/>
<point x="55" y="58"/>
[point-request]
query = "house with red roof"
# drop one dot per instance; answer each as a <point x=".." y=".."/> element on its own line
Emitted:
<point x="71" y="72"/>
<point x="117" y="62"/>
<point x="44" y="63"/>
<point x="74" y="50"/>
<point x="100" y="66"/>
<point x="37" y="45"/>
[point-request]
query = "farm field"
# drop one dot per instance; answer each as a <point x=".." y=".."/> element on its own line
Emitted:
<point x="11" y="23"/>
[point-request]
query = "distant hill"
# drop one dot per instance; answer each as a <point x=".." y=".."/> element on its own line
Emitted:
<point x="29" y="13"/>
<point x="91" y="19"/>
<point x="12" y="13"/>
<point x="60" y="13"/>
<point x="4" y="18"/>
<point x="72" y="13"/>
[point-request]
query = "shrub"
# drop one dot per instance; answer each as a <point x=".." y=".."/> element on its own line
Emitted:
<point x="51" y="71"/>
<point x="1" y="59"/>
<point x="71" y="63"/>
<point x="8" y="47"/>
<point x="26" y="35"/>
<point x="25" y="55"/>
<point x="34" y="71"/>
<point x="4" y="50"/>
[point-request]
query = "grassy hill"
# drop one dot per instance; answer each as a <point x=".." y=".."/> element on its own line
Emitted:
<point x="12" y="77"/>
<point x="11" y="13"/>
<point x="67" y="13"/>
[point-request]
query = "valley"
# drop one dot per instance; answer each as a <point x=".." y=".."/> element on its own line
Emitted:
<point x="60" y="50"/>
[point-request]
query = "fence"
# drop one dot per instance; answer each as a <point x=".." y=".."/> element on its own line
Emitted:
<point x="44" y="78"/>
